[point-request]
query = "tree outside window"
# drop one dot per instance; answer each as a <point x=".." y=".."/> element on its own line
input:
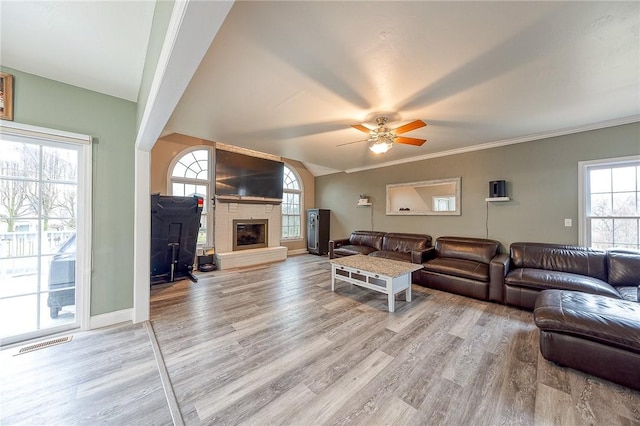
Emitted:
<point x="612" y="204"/>
<point x="38" y="181"/>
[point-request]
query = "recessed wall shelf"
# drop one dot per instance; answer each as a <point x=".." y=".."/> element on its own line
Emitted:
<point x="494" y="199"/>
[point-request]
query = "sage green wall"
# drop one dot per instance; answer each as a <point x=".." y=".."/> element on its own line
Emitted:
<point x="542" y="181"/>
<point x="111" y="121"/>
<point x="161" y="18"/>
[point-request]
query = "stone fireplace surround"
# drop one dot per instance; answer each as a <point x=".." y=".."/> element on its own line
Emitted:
<point x="225" y="213"/>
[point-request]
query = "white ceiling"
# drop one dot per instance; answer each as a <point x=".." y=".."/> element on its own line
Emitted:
<point x="289" y="78"/>
<point x="97" y="45"/>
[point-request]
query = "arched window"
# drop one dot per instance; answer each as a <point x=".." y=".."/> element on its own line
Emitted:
<point x="189" y="175"/>
<point x="291" y="205"/>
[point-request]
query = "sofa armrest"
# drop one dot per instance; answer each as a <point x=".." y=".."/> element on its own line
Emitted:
<point x="426" y="254"/>
<point x="334" y="244"/>
<point x="420" y="256"/>
<point x="498" y="269"/>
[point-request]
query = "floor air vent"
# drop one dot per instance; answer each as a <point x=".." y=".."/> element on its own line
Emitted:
<point x="42" y="345"/>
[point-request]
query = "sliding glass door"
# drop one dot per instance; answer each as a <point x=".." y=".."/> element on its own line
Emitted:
<point x="40" y="197"/>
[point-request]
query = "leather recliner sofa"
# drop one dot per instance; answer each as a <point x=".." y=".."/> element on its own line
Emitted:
<point x="404" y="247"/>
<point x="535" y="267"/>
<point x="462" y="265"/>
<point x="389" y="245"/>
<point x="359" y="242"/>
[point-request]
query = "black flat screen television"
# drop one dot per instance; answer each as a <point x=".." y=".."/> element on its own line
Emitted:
<point x="175" y="222"/>
<point x="245" y="176"/>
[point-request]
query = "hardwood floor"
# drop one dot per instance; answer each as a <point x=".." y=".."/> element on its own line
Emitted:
<point x="273" y="345"/>
<point x="108" y="376"/>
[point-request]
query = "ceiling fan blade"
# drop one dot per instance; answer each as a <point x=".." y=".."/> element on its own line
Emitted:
<point x="349" y="143"/>
<point x="361" y="128"/>
<point x="410" y="126"/>
<point x="409" y="141"/>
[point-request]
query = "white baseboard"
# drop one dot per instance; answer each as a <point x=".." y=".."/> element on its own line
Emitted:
<point x="111" y="318"/>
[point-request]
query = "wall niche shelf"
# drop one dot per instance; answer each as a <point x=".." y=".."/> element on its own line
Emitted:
<point x="497" y="199"/>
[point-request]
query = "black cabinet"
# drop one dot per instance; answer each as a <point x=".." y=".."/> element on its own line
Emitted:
<point x="318" y="221"/>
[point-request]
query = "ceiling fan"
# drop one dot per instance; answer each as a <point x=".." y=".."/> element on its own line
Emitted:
<point x="383" y="138"/>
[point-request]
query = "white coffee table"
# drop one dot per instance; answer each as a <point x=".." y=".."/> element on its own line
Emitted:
<point x="378" y="274"/>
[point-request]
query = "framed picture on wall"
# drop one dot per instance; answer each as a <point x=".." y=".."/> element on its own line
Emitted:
<point x="6" y="96"/>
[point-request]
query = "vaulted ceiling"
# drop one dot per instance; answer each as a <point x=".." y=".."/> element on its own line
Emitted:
<point x="289" y="78"/>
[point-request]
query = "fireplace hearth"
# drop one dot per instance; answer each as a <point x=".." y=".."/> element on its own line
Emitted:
<point x="250" y="234"/>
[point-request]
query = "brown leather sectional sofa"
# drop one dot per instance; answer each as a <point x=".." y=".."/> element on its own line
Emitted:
<point x="474" y="267"/>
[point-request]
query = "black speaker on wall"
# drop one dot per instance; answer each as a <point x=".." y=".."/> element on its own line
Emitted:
<point x="497" y="188"/>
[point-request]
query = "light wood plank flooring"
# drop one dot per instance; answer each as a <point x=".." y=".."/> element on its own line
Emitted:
<point x="273" y="345"/>
<point x="108" y="376"/>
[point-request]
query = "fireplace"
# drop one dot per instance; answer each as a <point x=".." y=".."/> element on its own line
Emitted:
<point x="250" y="234"/>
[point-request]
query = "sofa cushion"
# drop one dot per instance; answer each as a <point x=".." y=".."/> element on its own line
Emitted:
<point x="624" y="268"/>
<point x="462" y="268"/>
<point x="562" y="258"/>
<point x="393" y="255"/>
<point x="602" y="319"/>
<point x="350" y="250"/>
<point x="541" y="279"/>
<point x="366" y="238"/>
<point x="473" y="249"/>
<point x="405" y="243"/>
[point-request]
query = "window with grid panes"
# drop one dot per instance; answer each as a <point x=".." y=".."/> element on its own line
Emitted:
<point x="611" y="203"/>
<point x="291" y="205"/>
<point x="190" y="176"/>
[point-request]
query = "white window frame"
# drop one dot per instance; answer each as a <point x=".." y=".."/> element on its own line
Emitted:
<point x="19" y="132"/>
<point x="583" y="191"/>
<point x="300" y="192"/>
<point x="209" y="183"/>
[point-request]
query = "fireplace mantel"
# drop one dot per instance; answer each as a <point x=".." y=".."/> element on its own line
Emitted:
<point x="247" y="200"/>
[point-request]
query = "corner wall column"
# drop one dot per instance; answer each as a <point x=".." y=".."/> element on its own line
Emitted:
<point x="142" y="236"/>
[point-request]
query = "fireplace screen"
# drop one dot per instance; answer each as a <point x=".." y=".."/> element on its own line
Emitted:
<point x="250" y="234"/>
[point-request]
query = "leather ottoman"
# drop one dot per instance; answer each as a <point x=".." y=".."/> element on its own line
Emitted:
<point x="595" y="334"/>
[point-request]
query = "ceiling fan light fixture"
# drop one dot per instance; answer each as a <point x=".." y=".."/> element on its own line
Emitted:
<point x="381" y="146"/>
<point x="382" y="138"/>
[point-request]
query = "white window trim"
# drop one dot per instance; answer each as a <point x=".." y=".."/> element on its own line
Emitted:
<point x="210" y="183"/>
<point x="301" y="192"/>
<point x="179" y="155"/>
<point x="583" y="168"/>
<point x="18" y="131"/>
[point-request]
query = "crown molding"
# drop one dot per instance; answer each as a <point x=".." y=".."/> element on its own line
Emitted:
<point x="529" y="138"/>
